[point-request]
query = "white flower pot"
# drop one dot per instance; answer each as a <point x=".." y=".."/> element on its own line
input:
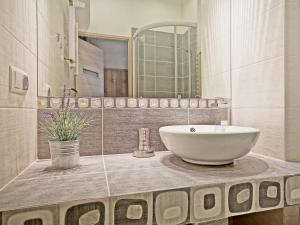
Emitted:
<point x="64" y="154"/>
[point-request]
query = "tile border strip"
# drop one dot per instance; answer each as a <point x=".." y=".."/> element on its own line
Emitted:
<point x="134" y="103"/>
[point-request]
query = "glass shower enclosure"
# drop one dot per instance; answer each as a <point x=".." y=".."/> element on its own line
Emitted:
<point x="165" y="61"/>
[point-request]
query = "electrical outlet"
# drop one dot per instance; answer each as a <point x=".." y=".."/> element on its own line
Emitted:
<point x="18" y="81"/>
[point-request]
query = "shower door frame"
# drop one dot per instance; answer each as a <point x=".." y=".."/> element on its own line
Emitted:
<point x="174" y="24"/>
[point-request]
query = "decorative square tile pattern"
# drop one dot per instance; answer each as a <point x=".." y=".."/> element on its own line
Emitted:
<point x="85" y="212"/>
<point x="292" y="190"/>
<point x="96" y="102"/>
<point x="163" y="103"/>
<point x="207" y="203"/>
<point x="70" y="102"/>
<point x="269" y="194"/>
<point x="83" y="102"/>
<point x="120" y="102"/>
<point x="143" y="103"/>
<point x="212" y="103"/>
<point x="132" y="103"/>
<point x="239" y="198"/>
<point x="43" y="102"/>
<point x="132" y="209"/>
<point x="194" y="103"/>
<point x="174" y="103"/>
<point x="55" y="103"/>
<point x="35" y="216"/>
<point x="203" y="103"/>
<point x="171" y="207"/>
<point x="184" y="103"/>
<point x="154" y="102"/>
<point x="109" y="102"/>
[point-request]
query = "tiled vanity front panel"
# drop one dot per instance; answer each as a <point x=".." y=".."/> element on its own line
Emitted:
<point x="210" y="205"/>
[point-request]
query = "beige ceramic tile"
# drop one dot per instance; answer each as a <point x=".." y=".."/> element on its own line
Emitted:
<point x="18" y="141"/>
<point x="270" y="122"/>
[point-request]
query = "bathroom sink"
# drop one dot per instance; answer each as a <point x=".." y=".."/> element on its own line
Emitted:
<point x="209" y="144"/>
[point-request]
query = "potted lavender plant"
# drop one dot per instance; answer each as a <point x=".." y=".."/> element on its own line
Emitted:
<point x="64" y="128"/>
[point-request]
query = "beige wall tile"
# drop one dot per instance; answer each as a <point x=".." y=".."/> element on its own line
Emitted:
<point x="14" y="53"/>
<point x="292" y="130"/>
<point x="270" y="122"/>
<point x="259" y="85"/>
<point x="18" y="142"/>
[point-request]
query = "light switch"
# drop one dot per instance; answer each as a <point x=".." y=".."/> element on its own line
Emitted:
<point x="18" y="81"/>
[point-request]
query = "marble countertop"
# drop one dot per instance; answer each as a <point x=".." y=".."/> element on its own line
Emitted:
<point x="118" y="175"/>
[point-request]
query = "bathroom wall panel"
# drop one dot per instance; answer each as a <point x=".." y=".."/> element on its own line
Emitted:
<point x="18" y="38"/>
<point x="120" y="127"/>
<point x="18" y="142"/>
<point x="214" y="26"/>
<point x="258" y="75"/>
<point x="15" y="53"/>
<point x="270" y="123"/>
<point x="292" y="80"/>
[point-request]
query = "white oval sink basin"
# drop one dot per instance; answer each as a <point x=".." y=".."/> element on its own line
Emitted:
<point x="209" y="144"/>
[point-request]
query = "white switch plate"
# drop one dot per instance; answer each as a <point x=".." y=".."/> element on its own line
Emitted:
<point x="18" y="81"/>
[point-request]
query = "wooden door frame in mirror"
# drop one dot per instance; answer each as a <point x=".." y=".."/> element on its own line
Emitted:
<point x="117" y="38"/>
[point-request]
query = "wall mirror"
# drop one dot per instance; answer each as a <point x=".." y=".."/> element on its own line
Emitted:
<point x="145" y="48"/>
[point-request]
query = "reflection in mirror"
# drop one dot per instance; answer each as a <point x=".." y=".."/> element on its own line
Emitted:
<point x="103" y="67"/>
<point x="126" y="48"/>
<point x="165" y="60"/>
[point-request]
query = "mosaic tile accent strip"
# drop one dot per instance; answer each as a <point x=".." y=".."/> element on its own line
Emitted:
<point x="239" y="198"/>
<point x="292" y="190"/>
<point x="154" y="102"/>
<point x="83" y="103"/>
<point x="171" y="207"/>
<point x="36" y="216"/>
<point x="270" y="194"/>
<point x="132" y="209"/>
<point x="96" y="102"/>
<point x="207" y="203"/>
<point x="85" y="213"/>
<point x="108" y="102"/>
<point x="119" y="102"/>
<point x="132" y="103"/>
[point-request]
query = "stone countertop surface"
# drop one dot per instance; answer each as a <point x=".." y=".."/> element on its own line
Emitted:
<point x="117" y="175"/>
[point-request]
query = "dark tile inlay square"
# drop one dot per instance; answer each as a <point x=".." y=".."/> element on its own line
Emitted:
<point x="33" y="222"/>
<point x="234" y="205"/>
<point x="121" y="211"/>
<point x="209" y="201"/>
<point x="74" y="213"/>
<point x="264" y="200"/>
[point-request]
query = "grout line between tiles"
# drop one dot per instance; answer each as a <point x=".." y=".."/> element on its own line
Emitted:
<point x="57" y="176"/>
<point x="15" y="178"/>
<point x="105" y="174"/>
<point x="102" y="150"/>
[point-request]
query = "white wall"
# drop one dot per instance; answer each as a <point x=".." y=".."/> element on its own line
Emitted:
<point x="115" y="52"/>
<point x="117" y="17"/>
<point x="190" y="10"/>
<point x="258" y="75"/>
